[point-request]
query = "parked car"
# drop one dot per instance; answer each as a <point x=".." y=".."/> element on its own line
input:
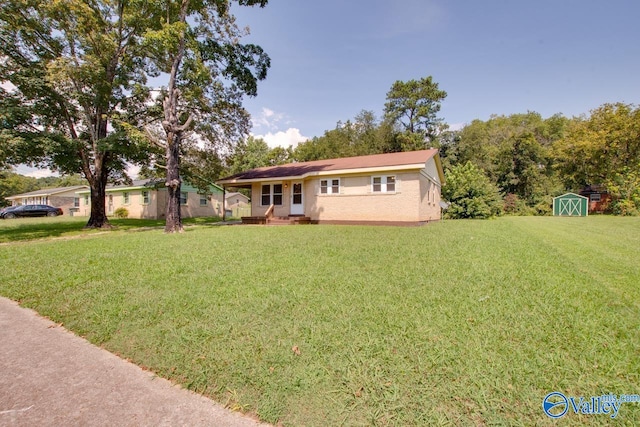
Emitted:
<point x="29" y="210"/>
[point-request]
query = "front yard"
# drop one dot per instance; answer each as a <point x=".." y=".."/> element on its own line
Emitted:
<point x="458" y="322"/>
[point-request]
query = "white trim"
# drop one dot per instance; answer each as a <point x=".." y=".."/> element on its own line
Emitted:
<point x="384" y="182"/>
<point x="570" y="194"/>
<point x="430" y="178"/>
<point x="271" y="193"/>
<point x="297" y="208"/>
<point x="391" y="169"/>
<point x="329" y="186"/>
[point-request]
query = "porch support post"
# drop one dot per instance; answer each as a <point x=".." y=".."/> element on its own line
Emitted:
<point x="224" y="203"/>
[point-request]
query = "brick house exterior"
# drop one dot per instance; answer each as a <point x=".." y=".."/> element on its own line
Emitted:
<point x="143" y="199"/>
<point x="391" y="188"/>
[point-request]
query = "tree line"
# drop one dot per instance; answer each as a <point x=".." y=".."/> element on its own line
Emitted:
<point x="511" y="164"/>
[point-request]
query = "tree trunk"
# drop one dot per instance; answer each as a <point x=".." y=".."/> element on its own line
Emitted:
<point x="98" y="185"/>
<point x="98" y="218"/>
<point x="173" y="221"/>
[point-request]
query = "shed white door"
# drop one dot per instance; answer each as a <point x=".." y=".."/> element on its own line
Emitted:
<point x="297" y="199"/>
<point x="570" y="207"/>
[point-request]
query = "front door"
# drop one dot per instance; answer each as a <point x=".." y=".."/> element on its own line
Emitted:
<point x="297" y="206"/>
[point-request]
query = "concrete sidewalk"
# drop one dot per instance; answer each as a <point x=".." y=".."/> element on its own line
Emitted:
<point x="50" y="377"/>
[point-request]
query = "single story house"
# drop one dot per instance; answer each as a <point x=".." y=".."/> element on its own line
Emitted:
<point x="237" y="205"/>
<point x="61" y="197"/>
<point x="235" y="199"/>
<point x="402" y="188"/>
<point x="148" y="199"/>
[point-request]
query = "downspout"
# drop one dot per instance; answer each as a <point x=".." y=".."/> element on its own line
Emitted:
<point x="224" y="203"/>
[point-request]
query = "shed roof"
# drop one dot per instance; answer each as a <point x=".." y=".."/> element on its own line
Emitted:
<point x="48" y="191"/>
<point x="570" y="196"/>
<point x="403" y="160"/>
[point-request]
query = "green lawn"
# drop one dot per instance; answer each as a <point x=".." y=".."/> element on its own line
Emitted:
<point x="459" y="322"/>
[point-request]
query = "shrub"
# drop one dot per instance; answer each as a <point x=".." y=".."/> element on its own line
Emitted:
<point x="625" y="207"/>
<point x="514" y="205"/>
<point x="121" y="213"/>
<point x="470" y="193"/>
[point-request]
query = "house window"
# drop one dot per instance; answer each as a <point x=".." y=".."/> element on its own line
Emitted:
<point x="86" y="200"/>
<point x="266" y="195"/>
<point x="277" y="194"/>
<point x="271" y="194"/>
<point x="183" y="198"/>
<point x="330" y="186"/>
<point x="203" y="200"/>
<point x="595" y="197"/>
<point x="383" y="184"/>
<point x="145" y="198"/>
<point x="76" y="202"/>
<point x="125" y="198"/>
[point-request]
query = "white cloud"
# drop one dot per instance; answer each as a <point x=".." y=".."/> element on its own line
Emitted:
<point x="133" y="171"/>
<point x="268" y="119"/>
<point x="34" y="172"/>
<point x="291" y="136"/>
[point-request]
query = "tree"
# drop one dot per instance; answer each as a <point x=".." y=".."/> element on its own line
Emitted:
<point x="12" y="183"/>
<point x="624" y="186"/>
<point x="597" y="147"/>
<point x="197" y="46"/>
<point x="250" y="154"/>
<point x="76" y="72"/>
<point x="470" y="193"/>
<point x="414" y="106"/>
<point x="358" y="137"/>
<point x="515" y="153"/>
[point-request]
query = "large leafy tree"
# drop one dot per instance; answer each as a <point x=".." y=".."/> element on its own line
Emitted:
<point x="74" y="69"/>
<point x="255" y="153"/>
<point x="197" y="46"/>
<point x="596" y="148"/>
<point x="414" y="107"/>
<point x="604" y="148"/>
<point x="515" y="153"/>
<point x="358" y="137"/>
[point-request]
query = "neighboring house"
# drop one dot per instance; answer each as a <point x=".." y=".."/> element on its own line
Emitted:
<point x="599" y="198"/>
<point x="236" y="205"/>
<point x="143" y="199"/>
<point x="381" y="188"/>
<point x="234" y="200"/>
<point x="62" y="197"/>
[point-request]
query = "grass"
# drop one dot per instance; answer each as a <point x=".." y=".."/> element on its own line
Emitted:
<point x="454" y="323"/>
<point x="23" y="229"/>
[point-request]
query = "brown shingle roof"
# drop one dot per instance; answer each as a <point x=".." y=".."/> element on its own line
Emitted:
<point x="361" y="162"/>
<point x="48" y="191"/>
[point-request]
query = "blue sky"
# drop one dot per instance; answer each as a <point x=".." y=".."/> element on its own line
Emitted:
<point x="331" y="59"/>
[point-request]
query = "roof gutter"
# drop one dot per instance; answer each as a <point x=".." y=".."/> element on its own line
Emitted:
<point x="414" y="166"/>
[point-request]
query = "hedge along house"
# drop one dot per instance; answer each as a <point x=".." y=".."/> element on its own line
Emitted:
<point x="394" y="188"/>
<point x="62" y="197"/>
<point x="570" y="204"/>
<point x="148" y="199"/>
